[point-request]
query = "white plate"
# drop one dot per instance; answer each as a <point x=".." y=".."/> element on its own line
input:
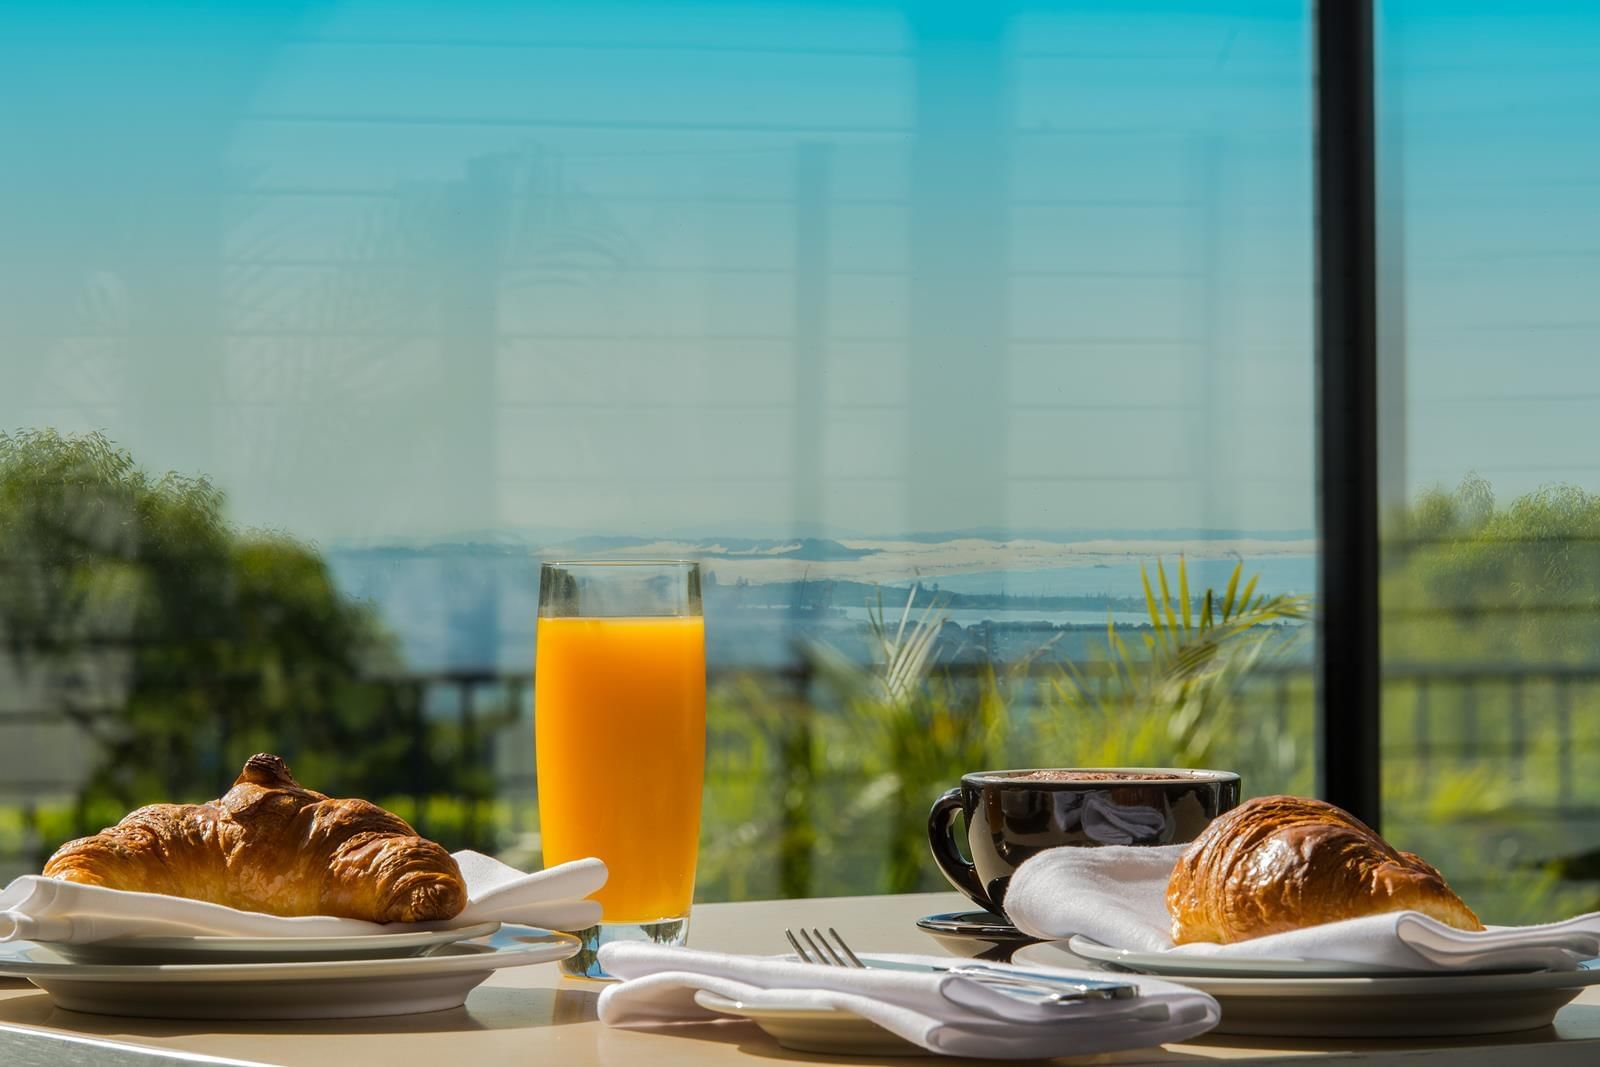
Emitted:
<point x="1183" y="965"/>
<point x="213" y="949"/>
<point x="1435" y="1005"/>
<point x="322" y="989"/>
<point x="805" y="1029"/>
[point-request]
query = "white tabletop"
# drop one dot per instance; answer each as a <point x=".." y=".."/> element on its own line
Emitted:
<point x="530" y="1015"/>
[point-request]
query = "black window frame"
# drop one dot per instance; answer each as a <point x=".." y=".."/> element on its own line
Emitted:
<point x="1347" y="650"/>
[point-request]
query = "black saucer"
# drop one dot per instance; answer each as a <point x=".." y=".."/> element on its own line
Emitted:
<point x="979" y="934"/>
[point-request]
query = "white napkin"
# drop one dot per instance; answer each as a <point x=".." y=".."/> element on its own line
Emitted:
<point x="943" y="1013"/>
<point x="35" y="908"/>
<point x="1117" y="896"/>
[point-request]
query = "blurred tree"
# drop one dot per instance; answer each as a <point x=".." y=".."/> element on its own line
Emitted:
<point x="1492" y="612"/>
<point x="179" y="645"/>
<point x="1470" y="579"/>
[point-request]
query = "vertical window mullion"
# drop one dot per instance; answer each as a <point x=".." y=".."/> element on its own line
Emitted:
<point x="1347" y="438"/>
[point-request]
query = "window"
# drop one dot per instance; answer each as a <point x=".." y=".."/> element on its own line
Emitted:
<point x="997" y="302"/>
<point x="1488" y="392"/>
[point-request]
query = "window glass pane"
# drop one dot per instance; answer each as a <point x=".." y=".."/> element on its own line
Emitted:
<point x="1006" y="299"/>
<point x="1492" y="251"/>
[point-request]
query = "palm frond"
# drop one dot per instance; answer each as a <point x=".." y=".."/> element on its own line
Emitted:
<point x="1183" y="594"/>
<point x="904" y="658"/>
<point x="1249" y="591"/>
<point x="1166" y="597"/>
<point x="1189" y="670"/>
<point x="1150" y="606"/>
<point x="1228" y="600"/>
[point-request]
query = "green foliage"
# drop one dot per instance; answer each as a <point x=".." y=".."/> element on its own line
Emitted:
<point x="1516" y="584"/>
<point x="1179" y="699"/>
<point x="1484" y="756"/>
<point x="1501" y="812"/>
<point x="1466" y="816"/>
<point x="827" y="791"/>
<point x="763" y="765"/>
<point x="179" y="646"/>
<point x="925" y="731"/>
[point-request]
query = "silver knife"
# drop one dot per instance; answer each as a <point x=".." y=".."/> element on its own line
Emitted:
<point x="1057" y="987"/>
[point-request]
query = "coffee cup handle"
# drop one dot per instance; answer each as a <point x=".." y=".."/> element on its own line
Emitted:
<point x="941" y="838"/>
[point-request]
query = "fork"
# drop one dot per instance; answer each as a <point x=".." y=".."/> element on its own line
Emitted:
<point x="1043" y="988"/>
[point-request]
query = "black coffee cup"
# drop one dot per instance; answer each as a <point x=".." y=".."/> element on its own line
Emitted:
<point x="1012" y="816"/>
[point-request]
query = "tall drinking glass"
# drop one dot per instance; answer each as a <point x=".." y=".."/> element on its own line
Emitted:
<point x="620" y="733"/>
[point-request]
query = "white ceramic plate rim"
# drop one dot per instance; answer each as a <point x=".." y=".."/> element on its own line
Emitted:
<point x="1174" y="964"/>
<point x="834" y="1031"/>
<point x="335" y="943"/>
<point x="546" y="946"/>
<point x="1051" y="953"/>
<point x="794" y="1013"/>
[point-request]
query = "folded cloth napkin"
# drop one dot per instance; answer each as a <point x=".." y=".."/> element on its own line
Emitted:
<point x="35" y="908"/>
<point x="943" y="1013"/>
<point x="1117" y="896"/>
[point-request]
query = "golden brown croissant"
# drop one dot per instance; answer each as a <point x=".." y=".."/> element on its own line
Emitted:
<point x="1279" y="863"/>
<point x="269" y="845"/>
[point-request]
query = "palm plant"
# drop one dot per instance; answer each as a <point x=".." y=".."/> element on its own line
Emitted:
<point x="901" y="657"/>
<point x="1174" y="702"/>
<point x="905" y="729"/>
<point x="920" y="729"/>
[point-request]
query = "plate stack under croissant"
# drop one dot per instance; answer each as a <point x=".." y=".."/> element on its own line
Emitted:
<point x="1301" y="920"/>
<point x="272" y="901"/>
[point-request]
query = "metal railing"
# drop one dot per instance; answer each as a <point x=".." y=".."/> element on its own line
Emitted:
<point x="1438" y="713"/>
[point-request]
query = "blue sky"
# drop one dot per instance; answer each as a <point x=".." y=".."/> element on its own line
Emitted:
<point x="416" y="270"/>
<point x="1492" y="112"/>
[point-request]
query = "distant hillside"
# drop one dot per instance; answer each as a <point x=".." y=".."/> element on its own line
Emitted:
<point x="1090" y="533"/>
<point x="808" y="535"/>
<point x="818" y="549"/>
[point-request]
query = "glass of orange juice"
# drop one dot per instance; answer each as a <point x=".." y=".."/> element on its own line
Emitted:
<point x="619" y="691"/>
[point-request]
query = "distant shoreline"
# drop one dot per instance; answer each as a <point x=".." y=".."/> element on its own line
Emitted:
<point x="903" y="562"/>
<point x="465" y="604"/>
<point x="878" y="561"/>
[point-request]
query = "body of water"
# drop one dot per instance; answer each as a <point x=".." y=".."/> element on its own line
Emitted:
<point x="973" y="616"/>
<point x="1278" y="574"/>
<point x="471" y="610"/>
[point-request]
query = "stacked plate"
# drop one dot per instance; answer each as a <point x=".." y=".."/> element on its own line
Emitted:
<point x="1305" y="998"/>
<point x="280" y="978"/>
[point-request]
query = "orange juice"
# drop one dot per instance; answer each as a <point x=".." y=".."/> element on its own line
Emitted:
<point x="620" y="731"/>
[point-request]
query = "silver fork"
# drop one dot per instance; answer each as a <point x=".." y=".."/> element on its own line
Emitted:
<point x="1039" y="987"/>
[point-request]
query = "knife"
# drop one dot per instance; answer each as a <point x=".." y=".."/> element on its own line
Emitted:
<point x="1057" y="987"/>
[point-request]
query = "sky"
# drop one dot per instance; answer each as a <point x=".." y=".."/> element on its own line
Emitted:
<point x="395" y="271"/>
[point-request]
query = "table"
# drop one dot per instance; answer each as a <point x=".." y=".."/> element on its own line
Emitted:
<point x="529" y="1016"/>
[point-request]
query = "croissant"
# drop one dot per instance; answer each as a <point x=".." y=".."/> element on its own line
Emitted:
<point x="269" y="845"/>
<point x="1280" y="863"/>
